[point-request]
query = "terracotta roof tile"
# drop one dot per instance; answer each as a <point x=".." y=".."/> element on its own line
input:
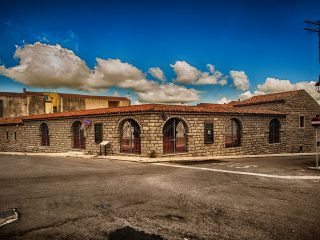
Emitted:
<point x="275" y="97"/>
<point x="8" y="121"/>
<point x="142" y="108"/>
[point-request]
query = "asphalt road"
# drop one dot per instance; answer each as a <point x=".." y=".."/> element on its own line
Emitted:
<point x="70" y="198"/>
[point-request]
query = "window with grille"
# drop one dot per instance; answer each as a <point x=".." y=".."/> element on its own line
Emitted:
<point x="233" y="133"/>
<point x="7" y="135"/>
<point x="98" y="133"/>
<point x="274" y="131"/>
<point x="208" y="133"/>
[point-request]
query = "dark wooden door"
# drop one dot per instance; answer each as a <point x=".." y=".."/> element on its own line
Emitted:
<point x="78" y="136"/>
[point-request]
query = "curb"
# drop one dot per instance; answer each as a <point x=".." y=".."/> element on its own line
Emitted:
<point x="156" y="160"/>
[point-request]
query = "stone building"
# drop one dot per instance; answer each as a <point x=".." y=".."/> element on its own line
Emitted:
<point x="31" y="103"/>
<point x="274" y="123"/>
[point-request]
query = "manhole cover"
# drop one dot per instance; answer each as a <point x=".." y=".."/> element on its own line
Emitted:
<point x="8" y="216"/>
<point x="129" y="233"/>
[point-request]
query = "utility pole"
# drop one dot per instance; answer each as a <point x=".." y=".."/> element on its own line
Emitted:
<point x="316" y="29"/>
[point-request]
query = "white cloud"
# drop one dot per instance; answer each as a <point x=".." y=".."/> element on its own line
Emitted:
<point x="185" y="72"/>
<point x="240" y="79"/>
<point x="190" y="75"/>
<point x="169" y="93"/>
<point x="224" y="100"/>
<point x="113" y="72"/>
<point x="274" y="85"/>
<point x="157" y="73"/>
<point x="48" y="66"/>
<point x="52" y="66"/>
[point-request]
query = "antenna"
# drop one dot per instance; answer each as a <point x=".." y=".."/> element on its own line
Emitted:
<point x="316" y="29"/>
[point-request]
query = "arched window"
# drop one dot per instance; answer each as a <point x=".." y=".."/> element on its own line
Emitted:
<point x="233" y="133"/>
<point x="130" y="141"/>
<point x="174" y="137"/>
<point x="274" y="131"/>
<point x="44" y="131"/>
<point x="1" y="109"/>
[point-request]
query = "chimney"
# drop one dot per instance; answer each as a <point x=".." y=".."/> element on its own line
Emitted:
<point x="24" y="90"/>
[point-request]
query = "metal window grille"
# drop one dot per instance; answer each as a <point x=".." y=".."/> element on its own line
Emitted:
<point x="174" y="137"/>
<point x="130" y="140"/>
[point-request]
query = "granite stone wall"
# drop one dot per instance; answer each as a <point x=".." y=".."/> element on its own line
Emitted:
<point x="301" y="104"/>
<point x="254" y="134"/>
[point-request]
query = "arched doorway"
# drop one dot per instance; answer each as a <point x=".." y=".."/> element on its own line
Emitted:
<point x="233" y="133"/>
<point x="130" y="141"/>
<point x="44" y="132"/>
<point x="174" y="137"/>
<point x="78" y="135"/>
<point x="274" y="131"/>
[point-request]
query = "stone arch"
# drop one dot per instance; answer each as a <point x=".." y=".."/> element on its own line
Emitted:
<point x="44" y="134"/>
<point x="233" y="132"/>
<point x="123" y="119"/>
<point x="174" y="132"/>
<point x="130" y="136"/>
<point x="274" y="130"/>
<point x="78" y="137"/>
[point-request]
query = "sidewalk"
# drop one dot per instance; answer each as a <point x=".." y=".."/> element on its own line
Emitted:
<point x="155" y="160"/>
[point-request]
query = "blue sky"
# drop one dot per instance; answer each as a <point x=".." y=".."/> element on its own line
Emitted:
<point x="264" y="39"/>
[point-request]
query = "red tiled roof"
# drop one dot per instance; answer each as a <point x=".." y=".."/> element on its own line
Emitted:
<point x="111" y="98"/>
<point x="7" y="121"/>
<point x="150" y="108"/>
<point x="275" y="97"/>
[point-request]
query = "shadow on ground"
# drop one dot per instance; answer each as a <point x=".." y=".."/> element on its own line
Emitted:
<point x="129" y="233"/>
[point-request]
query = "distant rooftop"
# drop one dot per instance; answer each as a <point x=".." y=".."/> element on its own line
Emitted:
<point x="274" y="97"/>
<point x="66" y="95"/>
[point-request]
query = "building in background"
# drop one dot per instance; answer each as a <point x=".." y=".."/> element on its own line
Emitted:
<point x="32" y="103"/>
